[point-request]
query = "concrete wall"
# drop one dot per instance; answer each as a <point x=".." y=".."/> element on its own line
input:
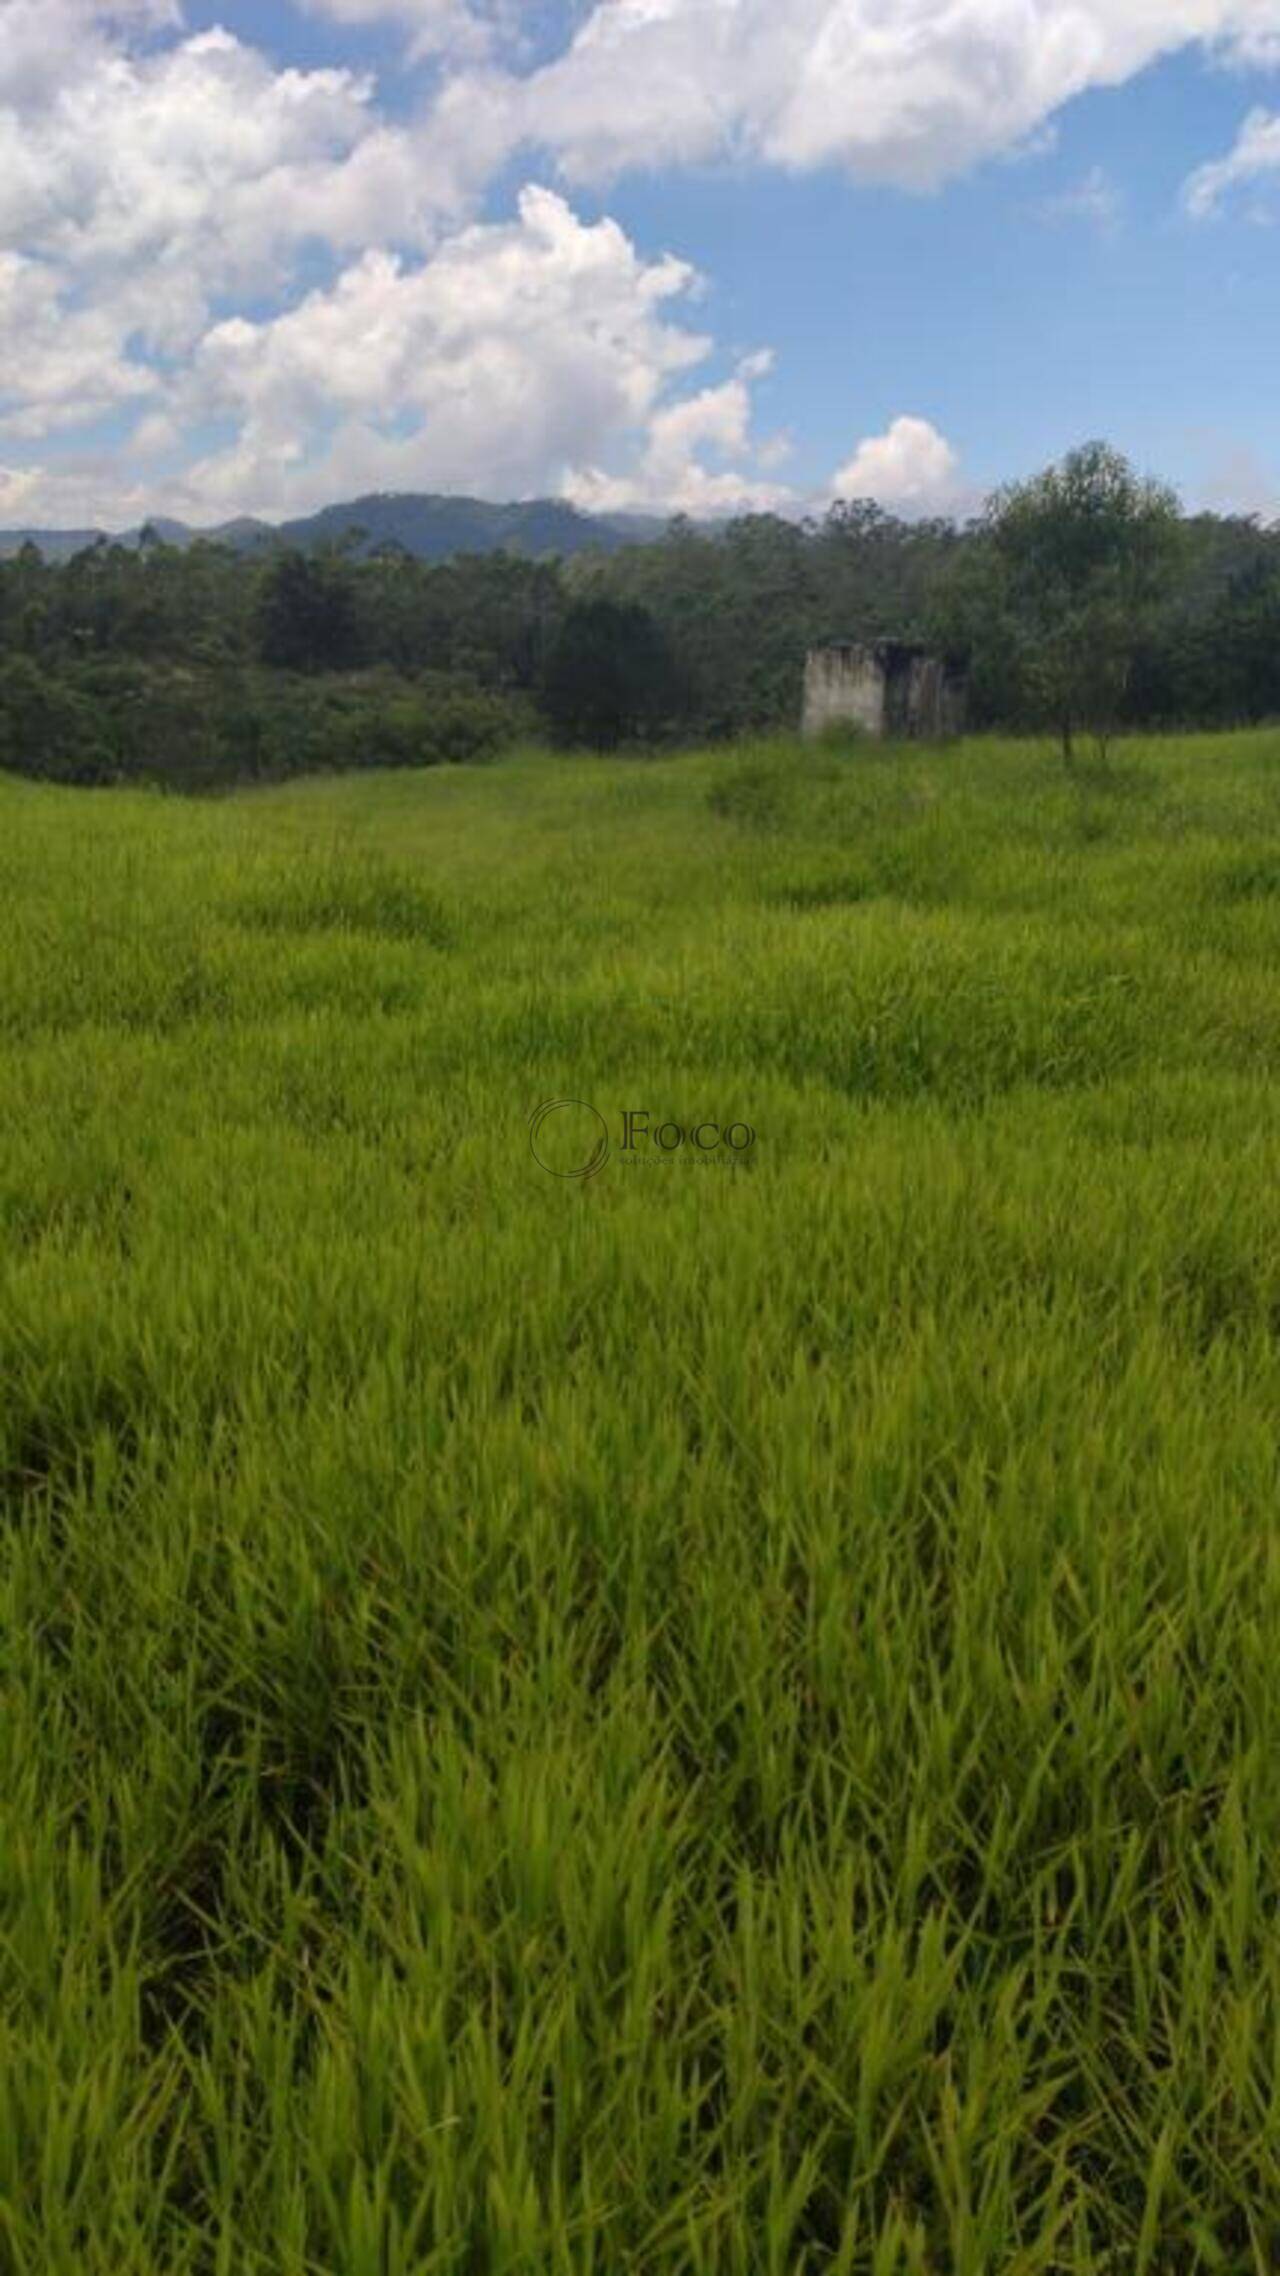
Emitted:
<point x="844" y="687"/>
<point x="933" y="701"/>
<point x="889" y="690"/>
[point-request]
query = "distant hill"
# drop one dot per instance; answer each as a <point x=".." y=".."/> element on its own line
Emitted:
<point x="55" y="544"/>
<point x="435" y="528"/>
<point x="429" y="528"/>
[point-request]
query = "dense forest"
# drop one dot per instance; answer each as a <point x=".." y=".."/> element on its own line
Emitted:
<point x="197" y="664"/>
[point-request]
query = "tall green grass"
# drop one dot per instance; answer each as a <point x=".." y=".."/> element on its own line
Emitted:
<point x="716" y="1719"/>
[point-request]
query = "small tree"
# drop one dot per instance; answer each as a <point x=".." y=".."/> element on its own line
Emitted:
<point x="1087" y="552"/>
<point x="609" y="675"/>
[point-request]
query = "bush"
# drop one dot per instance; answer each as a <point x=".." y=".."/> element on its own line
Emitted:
<point x="126" y="720"/>
<point x="434" y="722"/>
<point x="468" y="723"/>
<point x="49" y="729"/>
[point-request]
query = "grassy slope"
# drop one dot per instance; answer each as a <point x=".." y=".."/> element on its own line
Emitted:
<point x="717" y="1720"/>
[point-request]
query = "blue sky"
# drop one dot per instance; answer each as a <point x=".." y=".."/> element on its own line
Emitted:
<point x="694" y="254"/>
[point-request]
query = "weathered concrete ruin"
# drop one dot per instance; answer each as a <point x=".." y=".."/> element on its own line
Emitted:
<point x="889" y="691"/>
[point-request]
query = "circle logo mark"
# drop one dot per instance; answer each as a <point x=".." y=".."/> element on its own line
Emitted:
<point x="569" y="1139"/>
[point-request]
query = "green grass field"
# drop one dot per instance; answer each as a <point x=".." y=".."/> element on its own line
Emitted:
<point x="722" y="1717"/>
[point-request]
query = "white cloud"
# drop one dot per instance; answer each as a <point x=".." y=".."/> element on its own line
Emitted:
<point x="42" y="42"/>
<point x="518" y="355"/>
<point x="1254" y="159"/>
<point x="168" y="200"/>
<point x="451" y="28"/>
<point x="669" y="472"/>
<point x="910" y="93"/>
<point x="59" y="367"/>
<point x="82" y="492"/>
<point x="1253" y="50"/>
<point x="160" y="184"/>
<point x="145" y="186"/>
<point x="910" y="469"/>
<point x="200" y="168"/>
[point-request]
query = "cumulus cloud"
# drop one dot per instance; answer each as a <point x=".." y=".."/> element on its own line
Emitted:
<point x="200" y="239"/>
<point x="88" y="490"/>
<point x="1255" y="159"/>
<point x="1253" y="49"/>
<point x="518" y="355"/>
<point x="910" y="469"/>
<point x="151" y="181"/>
<point x="911" y="93"/>
<point x="42" y="41"/>
<point x="669" y="472"/>
<point x="59" y="367"/>
<point x="160" y="184"/>
<point x="200" y="168"/>
<point x="456" y="29"/>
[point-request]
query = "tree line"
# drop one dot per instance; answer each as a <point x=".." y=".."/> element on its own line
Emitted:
<point x="1083" y="602"/>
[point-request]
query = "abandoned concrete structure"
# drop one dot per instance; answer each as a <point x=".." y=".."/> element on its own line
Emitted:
<point x="888" y="690"/>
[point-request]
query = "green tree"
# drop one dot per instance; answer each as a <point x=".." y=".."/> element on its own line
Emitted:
<point x="609" y="675"/>
<point x="307" y="618"/>
<point x="46" y="728"/>
<point x="1087" y="550"/>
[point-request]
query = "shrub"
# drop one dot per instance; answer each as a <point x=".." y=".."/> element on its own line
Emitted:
<point x="430" y="723"/>
<point x="47" y="728"/>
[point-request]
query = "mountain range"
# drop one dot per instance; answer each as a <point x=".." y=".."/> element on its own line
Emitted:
<point x="430" y="528"/>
